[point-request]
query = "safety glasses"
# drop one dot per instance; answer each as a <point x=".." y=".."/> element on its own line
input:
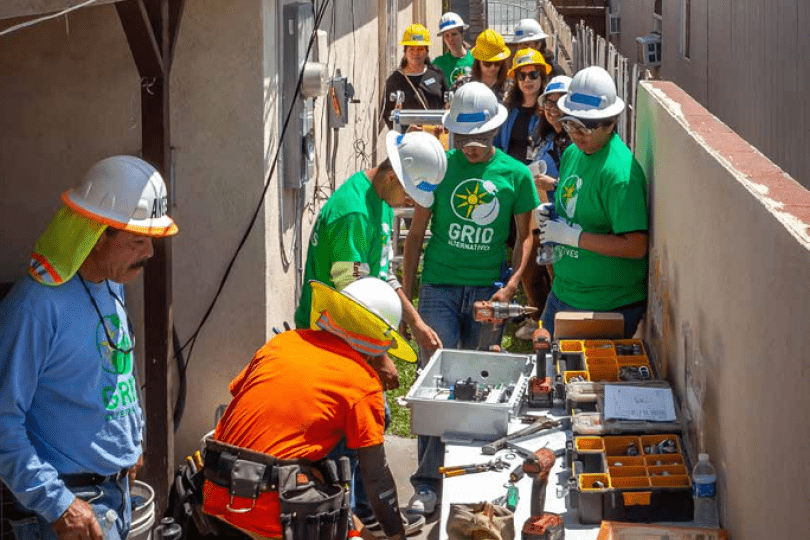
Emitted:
<point x="481" y="140"/>
<point x="581" y="127"/>
<point x="533" y="75"/>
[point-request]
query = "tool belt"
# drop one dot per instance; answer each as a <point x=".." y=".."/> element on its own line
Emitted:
<point x="313" y="500"/>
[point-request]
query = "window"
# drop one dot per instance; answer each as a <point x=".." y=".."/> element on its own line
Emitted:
<point x="685" y="23"/>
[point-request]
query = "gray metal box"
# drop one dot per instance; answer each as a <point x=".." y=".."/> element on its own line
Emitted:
<point x="433" y="413"/>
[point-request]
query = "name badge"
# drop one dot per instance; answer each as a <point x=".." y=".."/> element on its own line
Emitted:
<point x="430" y="81"/>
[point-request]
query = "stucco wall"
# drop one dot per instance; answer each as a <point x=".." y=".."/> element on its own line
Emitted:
<point x="747" y="65"/>
<point x="69" y="95"/>
<point x="730" y="260"/>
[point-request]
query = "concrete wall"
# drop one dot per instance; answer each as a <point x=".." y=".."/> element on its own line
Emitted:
<point x="747" y="65"/>
<point x="730" y="261"/>
<point x="71" y="95"/>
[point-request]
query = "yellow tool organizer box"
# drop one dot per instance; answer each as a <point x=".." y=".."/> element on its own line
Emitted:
<point x="640" y="478"/>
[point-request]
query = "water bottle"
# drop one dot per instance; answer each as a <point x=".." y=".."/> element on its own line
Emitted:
<point x="704" y="486"/>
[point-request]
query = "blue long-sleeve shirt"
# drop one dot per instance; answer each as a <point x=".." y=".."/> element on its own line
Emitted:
<point x="68" y="401"/>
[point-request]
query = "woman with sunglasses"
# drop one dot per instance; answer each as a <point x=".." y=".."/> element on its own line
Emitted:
<point x="529" y="70"/>
<point x="600" y="260"/>
<point x="422" y="84"/>
<point x="489" y="64"/>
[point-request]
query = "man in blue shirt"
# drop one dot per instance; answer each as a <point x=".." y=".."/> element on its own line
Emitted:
<point x="69" y="410"/>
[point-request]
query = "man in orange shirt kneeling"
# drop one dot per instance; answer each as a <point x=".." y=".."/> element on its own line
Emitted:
<point x="302" y="392"/>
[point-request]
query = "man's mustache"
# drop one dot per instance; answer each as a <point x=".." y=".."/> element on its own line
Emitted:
<point x="140" y="264"/>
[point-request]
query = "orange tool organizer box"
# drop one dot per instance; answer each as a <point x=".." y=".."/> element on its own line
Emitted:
<point x="630" y="478"/>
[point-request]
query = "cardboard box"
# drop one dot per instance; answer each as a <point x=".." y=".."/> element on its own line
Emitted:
<point x="631" y="531"/>
<point x="588" y="325"/>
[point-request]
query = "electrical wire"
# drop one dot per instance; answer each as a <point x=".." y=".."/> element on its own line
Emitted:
<point x="188" y="346"/>
<point x="45" y="18"/>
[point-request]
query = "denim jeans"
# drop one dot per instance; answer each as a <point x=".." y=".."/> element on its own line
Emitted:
<point x="632" y="315"/>
<point x="359" y="500"/>
<point x="110" y="495"/>
<point x="448" y="309"/>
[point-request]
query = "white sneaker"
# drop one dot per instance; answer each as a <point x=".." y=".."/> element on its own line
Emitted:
<point x="422" y="502"/>
<point x="526" y="330"/>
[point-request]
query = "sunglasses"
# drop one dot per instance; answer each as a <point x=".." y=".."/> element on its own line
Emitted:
<point x="533" y="75"/>
<point x="479" y="139"/>
<point x="490" y="64"/>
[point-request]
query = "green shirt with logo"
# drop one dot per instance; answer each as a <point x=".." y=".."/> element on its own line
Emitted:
<point x="604" y="193"/>
<point x="472" y="208"/>
<point x="353" y="226"/>
<point x="454" y="67"/>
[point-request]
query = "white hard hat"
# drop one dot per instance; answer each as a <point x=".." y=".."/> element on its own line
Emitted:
<point x="419" y="162"/>
<point x="378" y="297"/>
<point x="557" y="85"/>
<point x="474" y="109"/>
<point x="126" y="193"/>
<point x="449" y="21"/>
<point x="591" y="96"/>
<point x="528" y="30"/>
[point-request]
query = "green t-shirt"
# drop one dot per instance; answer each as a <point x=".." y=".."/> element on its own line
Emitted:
<point x="605" y="193"/>
<point x="453" y="67"/>
<point x="472" y="208"/>
<point x="353" y="226"/>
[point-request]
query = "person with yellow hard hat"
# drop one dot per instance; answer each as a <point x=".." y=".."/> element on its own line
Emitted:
<point x="300" y="394"/>
<point x="70" y="412"/>
<point x="489" y="65"/>
<point x="422" y="84"/>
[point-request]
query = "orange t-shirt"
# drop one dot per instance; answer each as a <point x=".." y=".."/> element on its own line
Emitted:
<point x="303" y="391"/>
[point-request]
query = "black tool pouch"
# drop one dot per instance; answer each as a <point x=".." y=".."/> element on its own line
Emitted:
<point x="310" y="510"/>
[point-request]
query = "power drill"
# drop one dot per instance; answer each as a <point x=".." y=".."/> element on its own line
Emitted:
<point x="491" y="316"/>
<point x="539" y="394"/>
<point x="496" y="312"/>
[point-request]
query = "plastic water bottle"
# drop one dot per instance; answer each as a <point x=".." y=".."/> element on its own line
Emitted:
<point x="704" y="485"/>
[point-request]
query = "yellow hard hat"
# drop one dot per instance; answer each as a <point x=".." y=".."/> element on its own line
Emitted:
<point x="416" y="35"/>
<point x="529" y="57"/>
<point x="489" y="47"/>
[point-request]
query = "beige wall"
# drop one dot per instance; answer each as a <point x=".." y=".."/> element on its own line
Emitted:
<point x="71" y="95"/>
<point x="730" y="260"/>
<point x="747" y="65"/>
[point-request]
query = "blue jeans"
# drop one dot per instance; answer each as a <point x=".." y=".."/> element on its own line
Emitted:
<point x="110" y="495"/>
<point x="359" y="500"/>
<point x="448" y="309"/>
<point x="632" y="315"/>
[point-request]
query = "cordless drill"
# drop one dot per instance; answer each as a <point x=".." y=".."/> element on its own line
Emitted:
<point x="491" y="316"/>
<point x="539" y="394"/>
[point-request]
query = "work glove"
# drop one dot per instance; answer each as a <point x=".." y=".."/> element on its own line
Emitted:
<point x="556" y="231"/>
<point x="543" y="212"/>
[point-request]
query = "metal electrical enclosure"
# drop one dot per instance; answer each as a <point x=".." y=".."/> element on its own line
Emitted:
<point x="298" y="147"/>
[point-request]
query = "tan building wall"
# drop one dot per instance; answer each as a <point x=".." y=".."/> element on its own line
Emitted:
<point x="730" y="260"/>
<point x="71" y="95"/>
<point x="747" y="64"/>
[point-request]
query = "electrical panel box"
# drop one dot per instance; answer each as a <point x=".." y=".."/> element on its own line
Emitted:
<point x="649" y="50"/>
<point x="298" y="146"/>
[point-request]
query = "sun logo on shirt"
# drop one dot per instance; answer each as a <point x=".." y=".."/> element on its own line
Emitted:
<point x="475" y="200"/>
<point x="470" y="199"/>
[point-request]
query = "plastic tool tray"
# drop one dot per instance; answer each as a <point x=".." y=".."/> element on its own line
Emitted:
<point x="631" y="478"/>
<point x="490" y="391"/>
<point x="604" y="360"/>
